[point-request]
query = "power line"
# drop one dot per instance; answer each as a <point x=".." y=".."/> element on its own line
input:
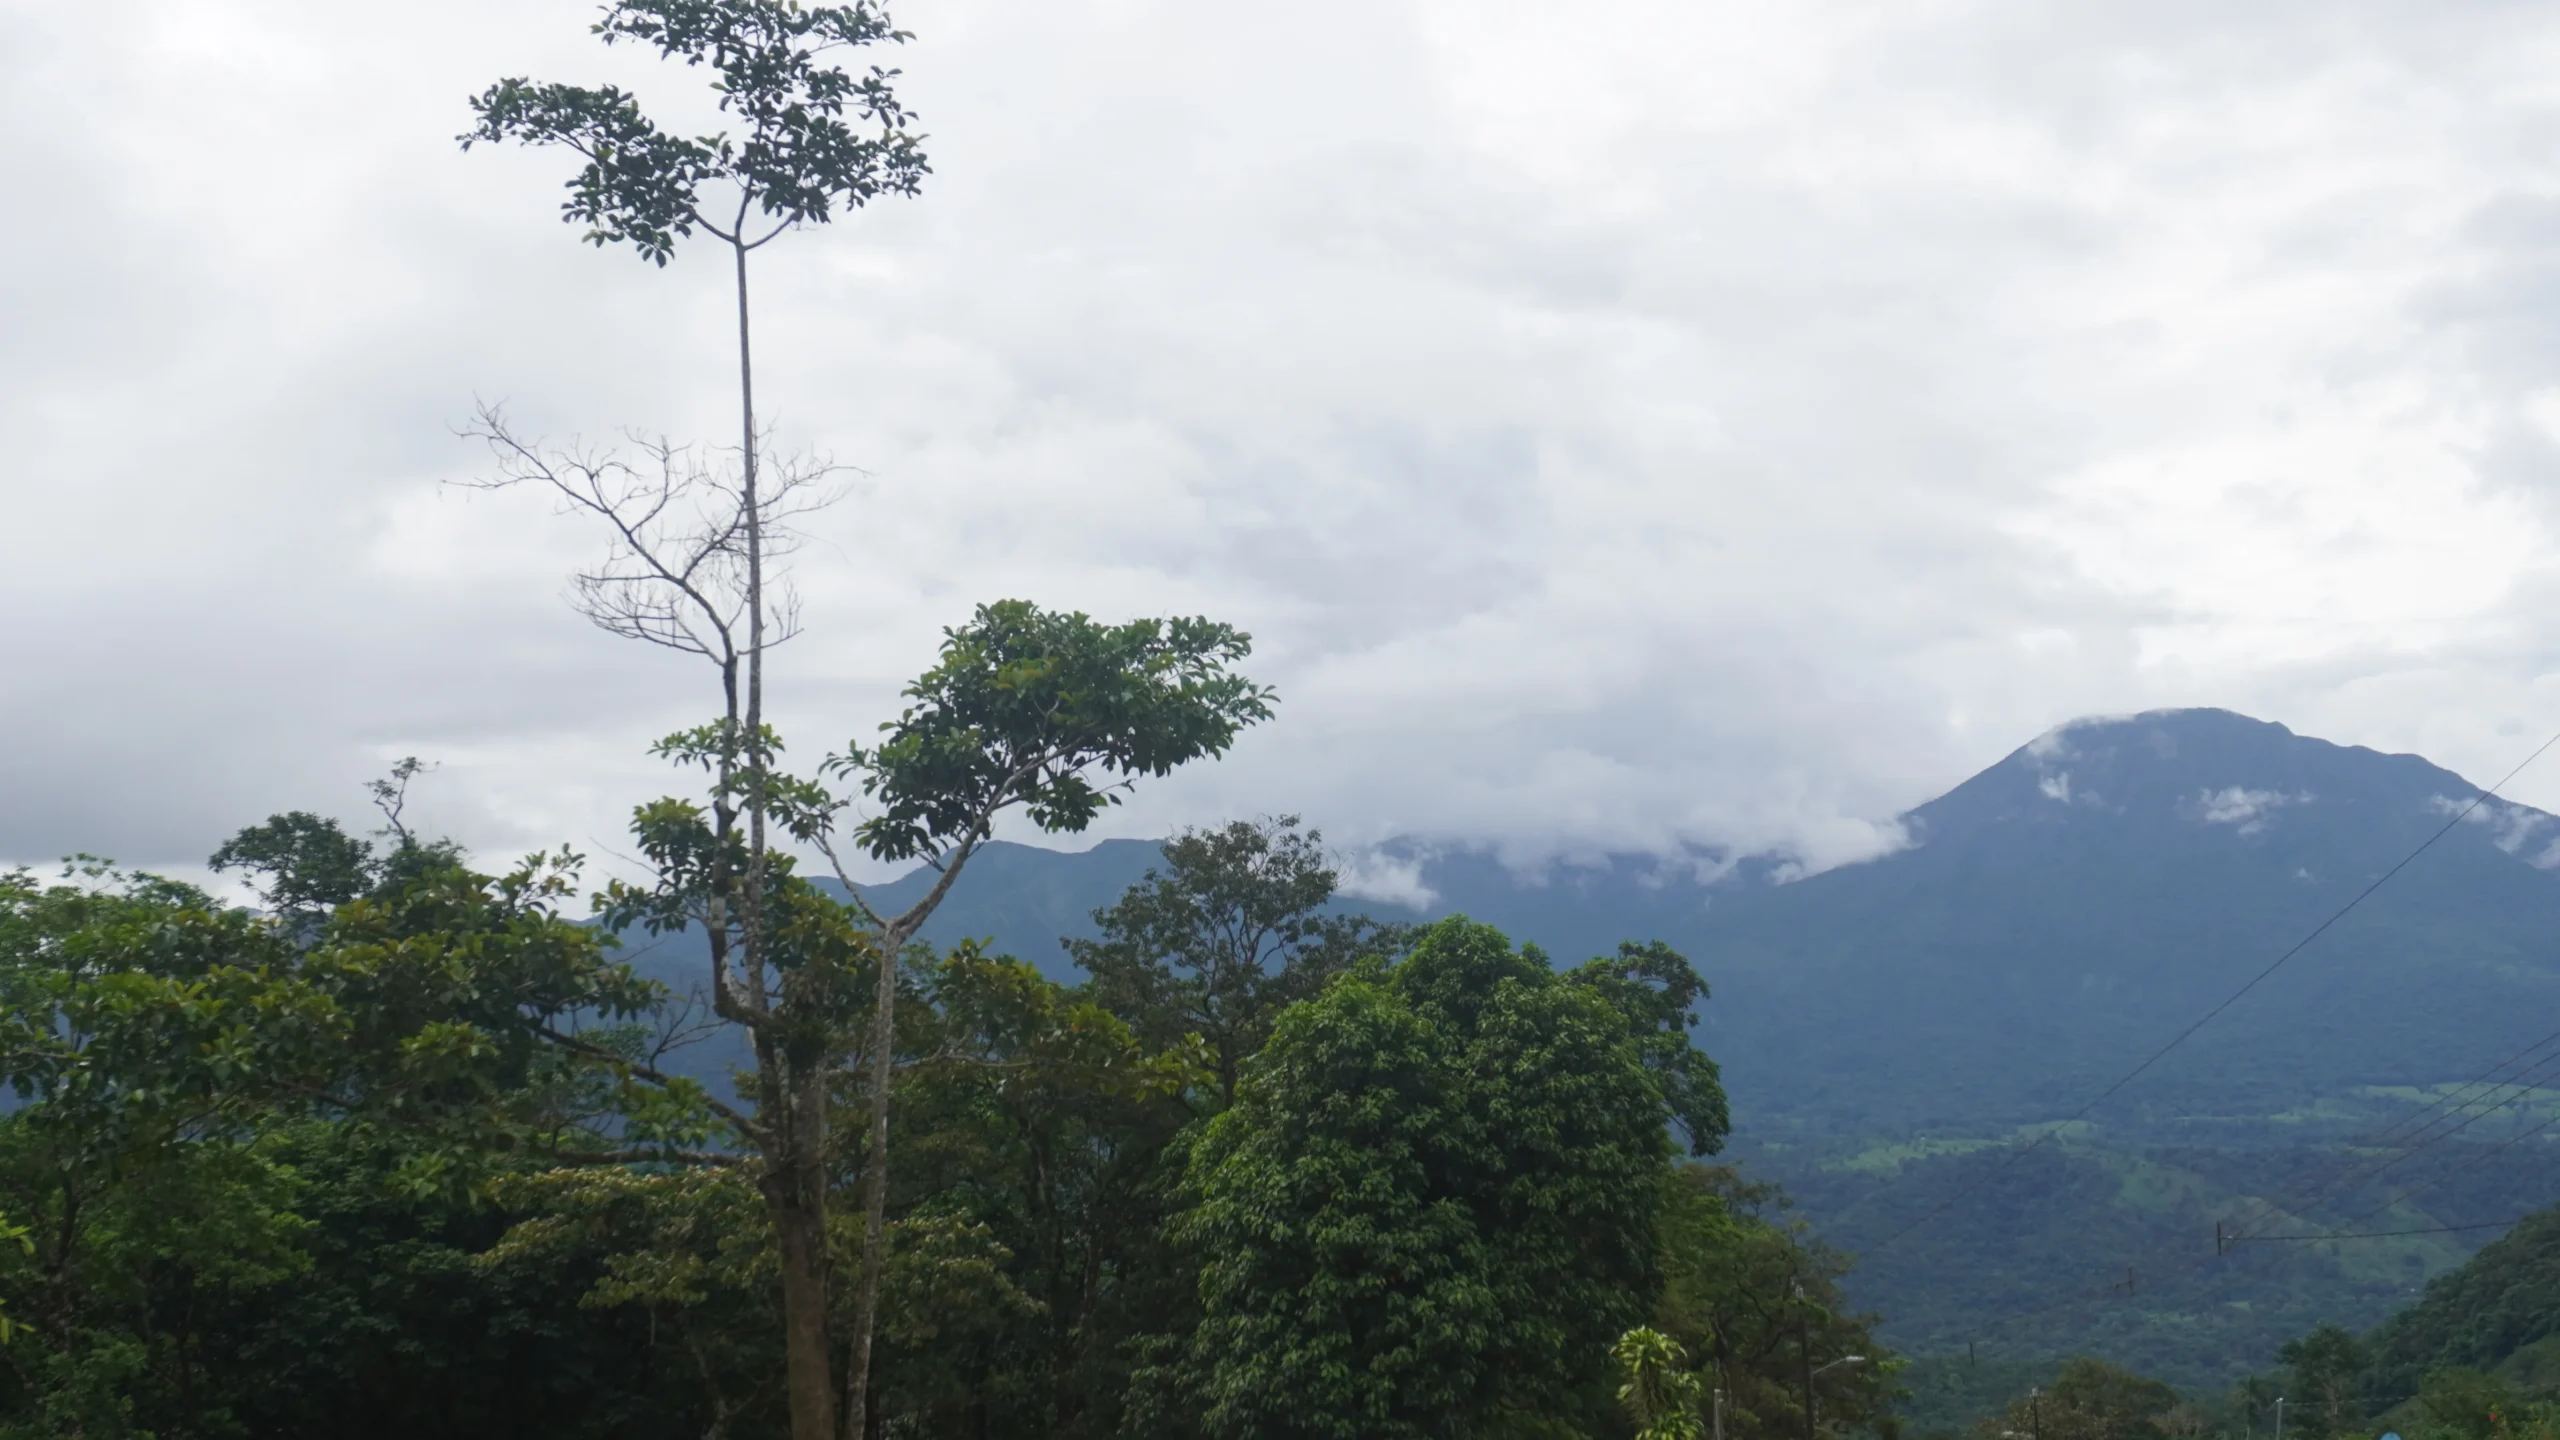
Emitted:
<point x="2352" y="1173"/>
<point x="2475" y="1161"/>
<point x="2275" y="1257"/>
<point x="2161" y="1277"/>
<point x="2519" y="1075"/>
<point x="2484" y="1078"/>
<point x="2174" y="1271"/>
<point x="2388" y="1234"/>
<point x="2234" y="998"/>
<point x="2098" y="1293"/>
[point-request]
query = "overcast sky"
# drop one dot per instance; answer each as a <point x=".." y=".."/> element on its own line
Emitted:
<point x="1621" y="424"/>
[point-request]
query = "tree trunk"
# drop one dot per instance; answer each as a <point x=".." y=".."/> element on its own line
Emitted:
<point x="795" y="1191"/>
<point x="758" y="761"/>
<point x="875" y="1191"/>
<point x="795" y="1180"/>
<point x="801" y="1230"/>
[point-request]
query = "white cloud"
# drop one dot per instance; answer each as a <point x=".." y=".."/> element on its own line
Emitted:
<point x="1395" y="879"/>
<point x="2512" y="828"/>
<point x="1624" y="424"/>
<point x="2054" y="744"/>
<point x="2246" y="810"/>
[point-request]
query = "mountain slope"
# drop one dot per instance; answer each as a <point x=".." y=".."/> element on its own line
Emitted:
<point x="2505" y="1300"/>
<point x="2055" y="920"/>
<point x="2067" y="911"/>
<point x="1890" y="1030"/>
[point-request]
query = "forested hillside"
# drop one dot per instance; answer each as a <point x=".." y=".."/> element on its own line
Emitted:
<point x="2476" y="1358"/>
<point x="400" y="1158"/>
<point x="1901" y="1027"/>
<point x="2492" y="1315"/>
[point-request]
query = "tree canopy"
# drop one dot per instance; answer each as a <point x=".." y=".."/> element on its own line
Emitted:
<point x="429" y="1147"/>
<point x="1431" y="1208"/>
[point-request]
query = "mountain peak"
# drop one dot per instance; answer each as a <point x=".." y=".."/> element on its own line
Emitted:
<point x="2200" y="722"/>
<point x="2209" y="767"/>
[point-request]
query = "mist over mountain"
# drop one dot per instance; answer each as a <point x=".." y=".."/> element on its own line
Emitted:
<point x="2051" y="922"/>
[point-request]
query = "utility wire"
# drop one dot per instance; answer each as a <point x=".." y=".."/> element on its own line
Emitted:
<point x="2410" y="1134"/>
<point x="2474" y="1162"/>
<point x="2276" y="1258"/>
<point x="2486" y="1078"/>
<point x="2234" y="998"/>
<point x="2355" y="1172"/>
<point x="2164" y="1270"/>
<point x="2520" y="1074"/>
<point x="2095" y="1294"/>
<point x="2392" y="1234"/>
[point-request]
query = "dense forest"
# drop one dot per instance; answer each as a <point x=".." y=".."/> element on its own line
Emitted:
<point x="2476" y="1357"/>
<point x="412" y="1149"/>
<point x="396" y="1155"/>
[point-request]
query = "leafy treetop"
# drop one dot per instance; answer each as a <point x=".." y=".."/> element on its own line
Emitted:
<point x="1026" y="703"/>
<point x="800" y="155"/>
<point x="1233" y="930"/>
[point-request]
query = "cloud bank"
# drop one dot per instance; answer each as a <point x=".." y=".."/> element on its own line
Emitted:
<point x="1624" y="425"/>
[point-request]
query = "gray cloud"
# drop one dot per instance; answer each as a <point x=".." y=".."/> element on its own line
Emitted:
<point x="1624" y="424"/>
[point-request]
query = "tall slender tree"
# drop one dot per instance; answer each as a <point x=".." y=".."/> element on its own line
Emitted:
<point x="797" y="159"/>
<point x="1049" y="713"/>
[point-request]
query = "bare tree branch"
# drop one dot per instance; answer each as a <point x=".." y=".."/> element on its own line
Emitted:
<point x="676" y="572"/>
<point x="646" y="1154"/>
<point x="745" y="1124"/>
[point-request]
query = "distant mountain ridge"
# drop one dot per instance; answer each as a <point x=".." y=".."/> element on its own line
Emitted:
<point x="2055" y="918"/>
<point x="2074" y="906"/>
